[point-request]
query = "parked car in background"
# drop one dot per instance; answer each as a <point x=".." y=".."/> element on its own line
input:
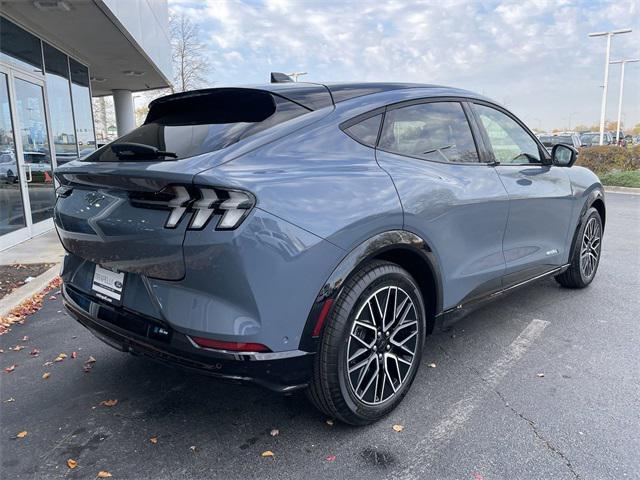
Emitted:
<point x="566" y="138"/>
<point x="592" y="139"/>
<point x="308" y="236"/>
<point x="622" y="141"/>
<point x="8" y="167"/>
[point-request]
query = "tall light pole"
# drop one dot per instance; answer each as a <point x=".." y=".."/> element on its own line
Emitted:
<point x="622" y="64"/>
<point x="606" y="74"/>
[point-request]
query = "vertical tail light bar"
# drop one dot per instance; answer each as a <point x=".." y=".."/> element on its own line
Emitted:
<point x="178" y="205"/>
<point x="232" y="206"/>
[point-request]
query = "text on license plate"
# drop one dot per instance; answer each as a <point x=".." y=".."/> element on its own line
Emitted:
<point x="108" y="284"/>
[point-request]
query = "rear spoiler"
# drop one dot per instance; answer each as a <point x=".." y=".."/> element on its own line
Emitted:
<point x="311" y="96"/>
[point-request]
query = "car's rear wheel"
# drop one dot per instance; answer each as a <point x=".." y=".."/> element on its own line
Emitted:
<point x="371" y="346"/>
<point x="585" y="256"/>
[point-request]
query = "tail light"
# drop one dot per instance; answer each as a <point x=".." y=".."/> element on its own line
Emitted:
<point x="232" y="206"/>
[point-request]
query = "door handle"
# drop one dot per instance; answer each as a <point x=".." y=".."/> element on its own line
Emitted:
<point x="29" y="174"/>
<point x="524" y="181"/>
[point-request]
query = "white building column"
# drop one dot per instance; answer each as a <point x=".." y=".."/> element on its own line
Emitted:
<point x="125" y="116"/>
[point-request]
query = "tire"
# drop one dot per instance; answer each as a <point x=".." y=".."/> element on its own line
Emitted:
<point x="379" y="352"/>
<point x="585" y="256"/>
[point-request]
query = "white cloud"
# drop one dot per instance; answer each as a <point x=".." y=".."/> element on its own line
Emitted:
<point x="534" y="54"/>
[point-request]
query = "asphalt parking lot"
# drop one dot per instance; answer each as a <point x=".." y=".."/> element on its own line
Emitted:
<point x="484" y="411"/>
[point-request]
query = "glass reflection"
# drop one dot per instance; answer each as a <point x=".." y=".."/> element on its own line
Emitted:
<point x="61" y="114"/>
<point x="81" y="97"/>
<point x="11" y="210"/>
<point x="35" y="147"/>
<point x="19" y="48"/>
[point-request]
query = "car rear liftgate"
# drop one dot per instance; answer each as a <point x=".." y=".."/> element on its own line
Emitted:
<point x="129" y="204"/>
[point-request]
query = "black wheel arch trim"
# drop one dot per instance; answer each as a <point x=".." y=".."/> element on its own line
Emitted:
<point x="367" y="250"/>
<point x="597" y="193"/>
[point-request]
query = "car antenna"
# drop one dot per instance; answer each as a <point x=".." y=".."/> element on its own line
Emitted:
<point x="278" y="77"/>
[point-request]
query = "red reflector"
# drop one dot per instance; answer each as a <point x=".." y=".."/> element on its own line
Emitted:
<point x="321" y="318"/>
<point x="233" y="346"/>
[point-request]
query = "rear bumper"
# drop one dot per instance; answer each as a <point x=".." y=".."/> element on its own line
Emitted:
<point x="141" y="335"/>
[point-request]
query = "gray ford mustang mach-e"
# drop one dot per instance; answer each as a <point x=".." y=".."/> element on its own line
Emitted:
<point x="301" y="235"/>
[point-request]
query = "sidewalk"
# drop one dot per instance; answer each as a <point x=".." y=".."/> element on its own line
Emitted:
<point x="45" y="248"/>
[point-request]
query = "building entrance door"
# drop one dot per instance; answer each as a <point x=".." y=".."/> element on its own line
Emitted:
<point x="27" y="193"/>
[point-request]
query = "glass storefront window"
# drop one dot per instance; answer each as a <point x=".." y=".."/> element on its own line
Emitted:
<point x="11" y="210"/>
<point x="19" y="48"/>
<point x="35" y="148"/>
<point x="82" y="108"/>
<point x="60" y="112"/>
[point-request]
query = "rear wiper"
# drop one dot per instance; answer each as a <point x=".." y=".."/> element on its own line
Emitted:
<point x="139" y="151"/>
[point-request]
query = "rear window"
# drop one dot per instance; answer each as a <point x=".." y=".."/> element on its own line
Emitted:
<point x="436" y="131"/>
<point x="191" y="125"/>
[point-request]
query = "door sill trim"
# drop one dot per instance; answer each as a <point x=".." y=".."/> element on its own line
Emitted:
<point x="455" y="313"/>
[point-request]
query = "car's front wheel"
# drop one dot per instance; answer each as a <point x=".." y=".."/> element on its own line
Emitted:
<point x="585" y="256"/>
<point x="371" y="346"/>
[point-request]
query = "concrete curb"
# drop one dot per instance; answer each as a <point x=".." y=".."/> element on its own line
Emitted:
<point x="627" y="190"/>
<point x="27" y="290"/>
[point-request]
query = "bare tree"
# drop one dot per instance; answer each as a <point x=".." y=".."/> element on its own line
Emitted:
<point x="104" y="118"/>
<point x="190" y="66"/>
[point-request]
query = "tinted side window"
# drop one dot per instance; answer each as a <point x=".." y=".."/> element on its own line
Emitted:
<point x="434" y="131"/>
<point x="366" y="131"/>
<point x="510" y="142"/>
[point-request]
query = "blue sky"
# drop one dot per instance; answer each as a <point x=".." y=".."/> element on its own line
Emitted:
<point x="533" y="56"/>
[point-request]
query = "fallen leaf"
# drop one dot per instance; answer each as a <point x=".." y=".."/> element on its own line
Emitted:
<point x="46" y="375"/>
<point x="26" y="307"/>
<point x="52" y="297"/>
<point x="331" y="458"/>
<point x="71" y="463"/>
<point x="22" y="434"/>
<point x="540" y="375"/>
<point x="330" y="422"/>
<point x="74" y="354"/>
<point x="10" y="400"/>
<point x="477" y="476"/>
<point x="275" y="432"/>
<point x="109" y="403"/>
<point x="1" y="350"/>
<point x="192" y="448"/>
<point x="432" y="365"/>
<point x="90" y="360"/>
<point x="60" y="357"/>
<point x="47" y="364"/>
<point x="104" y="474"/>
<point x="35" y="352"/>
<point x="153" y="440"/>
<point x="398" y="428"/>
<point x="17" y="348"/>
<point x="25" y="338"/>
<point x="267" y="453"/>
<point x="10" y="369"/>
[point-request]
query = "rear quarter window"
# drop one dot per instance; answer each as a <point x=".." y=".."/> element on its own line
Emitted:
<point x="366" y="131"/>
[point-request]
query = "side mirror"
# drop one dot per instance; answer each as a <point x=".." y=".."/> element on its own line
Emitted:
<point x="563" y="155"/>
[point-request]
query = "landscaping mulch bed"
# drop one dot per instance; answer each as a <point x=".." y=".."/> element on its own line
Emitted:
<point x="16" y="275"/>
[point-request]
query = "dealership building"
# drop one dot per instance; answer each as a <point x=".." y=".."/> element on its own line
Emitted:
<point x="55" y="55"/>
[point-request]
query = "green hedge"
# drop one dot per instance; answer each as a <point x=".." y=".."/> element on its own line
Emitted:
<point x="621" y="179"/>
<point x="605" y="159"/>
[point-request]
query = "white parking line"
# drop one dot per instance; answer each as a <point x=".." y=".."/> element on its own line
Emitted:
<point x="460" y="412"/>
